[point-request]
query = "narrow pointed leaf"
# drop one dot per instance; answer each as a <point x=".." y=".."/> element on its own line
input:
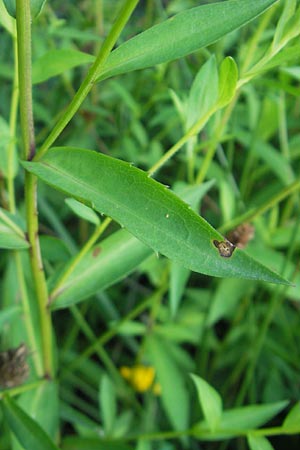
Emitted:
<point x="239" y="421"/>
<point x="227" y="81"/>
<point x="30" y="435"/>
<point x="258" y="443"/>
<point x="105" y="264"/>
<point x="149" y="211"/>
<point x="182" y="34"/>
<point x="210" y="401"/>
<point x="11" y="235"/>
<point x="56" y="62"/>
<point x="83" y="211"/>
<point x="292" y="420"/>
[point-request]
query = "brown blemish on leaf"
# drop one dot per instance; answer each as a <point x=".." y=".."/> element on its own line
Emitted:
<point x="96" y="251"/>
<point x="225" y="248"/>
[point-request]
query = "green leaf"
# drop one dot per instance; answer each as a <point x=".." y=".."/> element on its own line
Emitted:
<point x="11" y="235"/>
<point x="204" y="92"/>
<point x="227" y="81"/>
<point x="182" y="34"/>
<point x="35" y="7"/>
<point x="6" y="20"/>
<point x="225" y="299"/>
<point x="210" y="401"/>
<point x="82" y="211"/>
<point x="107" y="402"/>
<point x="105" y="264"/>
<point x="173" y="390"/>
<point x="150" y="211"/>
<point x="283" y="57"/>
<point x="239" y="421"/>
<point x="292" y="420"/>
<point x="56" y="62"/>
<point x="287" y="13"/>
<point x="7" y="314"/>
<point x="8" y="167"/>
<point x="30" y="435"/>
<point x="258" y="443"/>
<point x="179" y="275"/>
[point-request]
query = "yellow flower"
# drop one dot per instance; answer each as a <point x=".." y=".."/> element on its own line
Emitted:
<point x="141" y="378"/>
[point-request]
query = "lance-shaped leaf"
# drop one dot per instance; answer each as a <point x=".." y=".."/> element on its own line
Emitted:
<point x="149" y="210"/>
<point x="29" y="433"/>
<point x="105" y="264"/>
<point x="182" y="34"/>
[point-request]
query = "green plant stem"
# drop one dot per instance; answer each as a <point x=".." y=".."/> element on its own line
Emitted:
<point x="276" y="300"/>
<point x="101" y="352"/>
<point x="91" y="241"/>
<point x="251" y="52"/>
<point x="109" y="334"/>
<point x="38" y="273"/>
<point x="36" y="355"/>
<point x="255" y="212"/>
<point x="185" y="138"/>
<point x="12" y="131"/>
<point x="24" y="66"/>
<point x="89" y="81"/>
<point x="24" y="70"/>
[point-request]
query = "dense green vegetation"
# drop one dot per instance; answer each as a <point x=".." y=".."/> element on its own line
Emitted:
<point x="149" y="224"/>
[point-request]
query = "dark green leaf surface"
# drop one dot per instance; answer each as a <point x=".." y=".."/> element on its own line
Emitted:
<point x="150" y="211"/>
<point x="182" y="34"/>
<point x="30" y="435"/>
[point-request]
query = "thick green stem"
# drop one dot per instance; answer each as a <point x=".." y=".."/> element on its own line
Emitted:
<point x="38" y="273"/>
<point x="25" y="86"/>
<point x="12" y="131"/>
<point x="92" y="75"/>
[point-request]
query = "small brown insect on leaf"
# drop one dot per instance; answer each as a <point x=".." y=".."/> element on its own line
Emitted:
<point x="225" y="248"/>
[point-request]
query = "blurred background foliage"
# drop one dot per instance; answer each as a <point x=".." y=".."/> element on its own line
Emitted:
<point x="241" y="336"/>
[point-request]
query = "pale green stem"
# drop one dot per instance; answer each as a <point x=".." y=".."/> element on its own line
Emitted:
<point x="12" y="131"/>
<point x="101" y="352"/>
<point x="88" y="245"/>
<point x="256" y="212"/>
<point x="38" y="273"/>
<point x="91" y="78"/>
<point x="185" y="138"/>
<point x="252" y="47"/>
<point x="283" y="129"/>
<point x="108" y="335"/>
<point x="34" y="351"/>
<point x="25" y="85"/>
<point x="24" y="70"/>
